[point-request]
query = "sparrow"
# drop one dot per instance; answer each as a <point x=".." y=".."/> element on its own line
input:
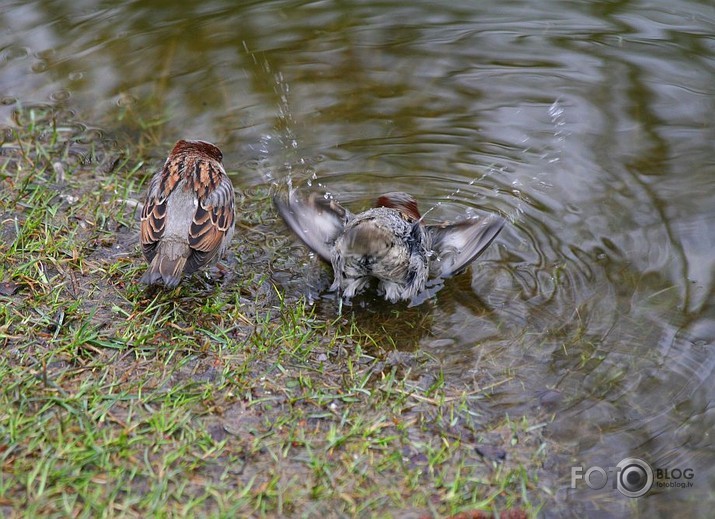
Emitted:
<point x="187" y="221"/>
<point x="389" y="242"/>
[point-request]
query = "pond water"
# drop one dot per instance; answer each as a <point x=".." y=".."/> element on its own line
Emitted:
<point x="589" y="124"/>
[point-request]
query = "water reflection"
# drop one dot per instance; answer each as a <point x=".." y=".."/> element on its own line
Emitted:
<point x="587" y="123"/>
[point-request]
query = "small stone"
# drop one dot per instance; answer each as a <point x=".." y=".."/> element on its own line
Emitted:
<point x="491" y="452"/>
<point x="8" y="288"/>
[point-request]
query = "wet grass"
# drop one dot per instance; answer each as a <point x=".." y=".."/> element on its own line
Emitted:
<point x="222" y="397"/>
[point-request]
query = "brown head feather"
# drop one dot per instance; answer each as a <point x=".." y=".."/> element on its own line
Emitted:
<point x="202" y="147"/>
<point x="403" y="202"/>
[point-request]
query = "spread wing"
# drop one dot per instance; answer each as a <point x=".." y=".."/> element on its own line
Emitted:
<point x="316" y="220"/>
<point x="212" y="222"/>
<point x="457" y="245"/>
<point x="153" y="219"/>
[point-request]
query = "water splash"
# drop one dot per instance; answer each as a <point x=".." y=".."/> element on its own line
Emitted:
<point x="280" y="149"/>
<point x="453" y="195"/>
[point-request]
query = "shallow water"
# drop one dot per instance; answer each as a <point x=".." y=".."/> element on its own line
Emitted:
<point x="588" y="124"/>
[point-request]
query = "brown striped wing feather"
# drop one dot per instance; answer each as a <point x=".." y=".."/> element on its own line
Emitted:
<point x="153" y="220"/>
<point x="211" y="225"/>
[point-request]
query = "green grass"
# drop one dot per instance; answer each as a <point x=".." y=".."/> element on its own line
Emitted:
<point x="220" y="398"/>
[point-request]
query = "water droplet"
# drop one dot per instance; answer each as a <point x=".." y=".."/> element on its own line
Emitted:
<point x="12" y="53"/>
<point x="573" y="209"/>
<point x="90" y="135"/>
<point x="555" y="110"/>
<point x="60" y="95"/>
<point x="39" y="67"/>
<point x="251" y="164"/>
<point x="125" y="100"/>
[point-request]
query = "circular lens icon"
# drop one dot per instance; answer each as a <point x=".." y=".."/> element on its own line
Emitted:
<point x="635" y="477"/>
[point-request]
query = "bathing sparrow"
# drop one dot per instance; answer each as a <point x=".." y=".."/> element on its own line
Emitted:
<point x="389" y="242"/>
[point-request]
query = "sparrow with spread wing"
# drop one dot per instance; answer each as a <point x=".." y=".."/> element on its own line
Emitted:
<point x="389" y="242"/>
